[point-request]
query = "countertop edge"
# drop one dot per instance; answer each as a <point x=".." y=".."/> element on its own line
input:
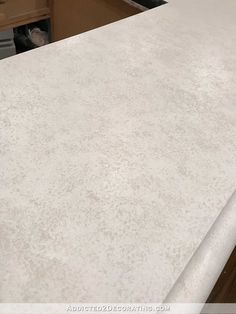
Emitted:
<point x="201" y="273"/>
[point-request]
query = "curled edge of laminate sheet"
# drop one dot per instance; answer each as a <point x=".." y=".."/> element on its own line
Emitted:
<point x="136" y="5"/>
<point x="201" y="273"/>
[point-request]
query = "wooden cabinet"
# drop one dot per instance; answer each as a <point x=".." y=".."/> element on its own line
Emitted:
<point x="68" y="17"/>
<point x="72" y="17"/>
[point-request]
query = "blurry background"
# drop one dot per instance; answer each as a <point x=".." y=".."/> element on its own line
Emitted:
<point x="28" y="24"/>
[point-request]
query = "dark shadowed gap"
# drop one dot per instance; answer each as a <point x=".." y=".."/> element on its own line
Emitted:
<point x="150" y="3"/>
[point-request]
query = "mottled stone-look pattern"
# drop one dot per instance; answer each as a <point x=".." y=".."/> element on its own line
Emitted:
<point x="117" y="154"/>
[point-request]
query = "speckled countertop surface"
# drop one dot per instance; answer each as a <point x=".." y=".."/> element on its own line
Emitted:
<point x="117" y="154"/>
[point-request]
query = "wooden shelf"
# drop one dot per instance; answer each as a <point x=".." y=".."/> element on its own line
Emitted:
<point x="25" y="19"/>
<point x="14" y="13"/>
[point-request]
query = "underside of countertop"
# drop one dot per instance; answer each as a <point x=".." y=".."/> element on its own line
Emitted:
<point x="117" y="154"/>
